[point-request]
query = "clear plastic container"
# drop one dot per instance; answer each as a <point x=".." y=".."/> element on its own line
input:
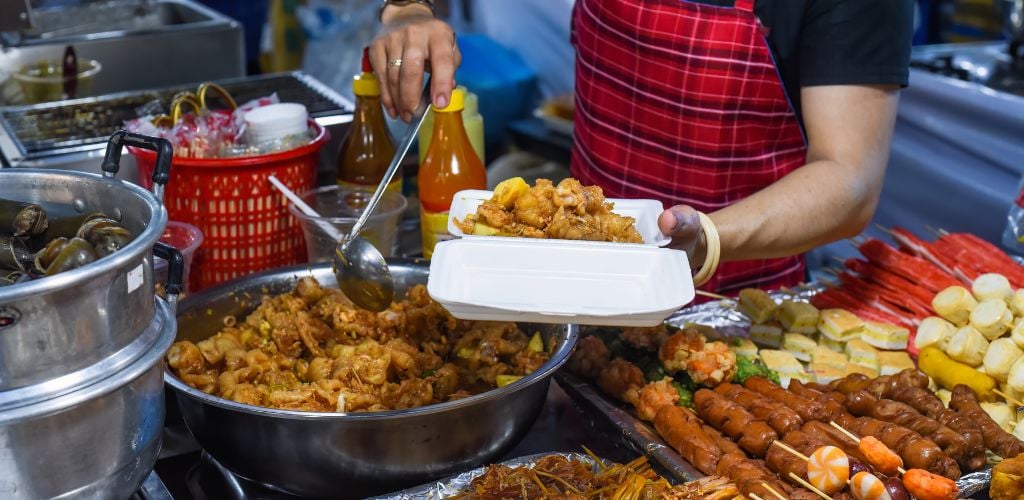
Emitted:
<point x="187" y="239"/>
<point x="43" y="81"/>
<point x="340" y="207"/>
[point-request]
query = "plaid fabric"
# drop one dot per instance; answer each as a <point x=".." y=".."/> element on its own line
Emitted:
<point x="681" y="102"/>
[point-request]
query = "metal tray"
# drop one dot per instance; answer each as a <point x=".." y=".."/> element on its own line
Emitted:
<point x="723" y="316"/>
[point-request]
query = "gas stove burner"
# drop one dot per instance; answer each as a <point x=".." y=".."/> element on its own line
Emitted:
<point x="209" y="480"/>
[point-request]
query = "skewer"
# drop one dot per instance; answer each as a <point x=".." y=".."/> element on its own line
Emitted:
<point x="809" y="486"/>
<point x="890" y="232"/>
<point x="773" y="492"/>
<point x="713" y="295"/>
<point x="856" y="439"/>
<point x="1009" y="399"/>
<point x="753" y="496"/>
<point x="786" y="447"/>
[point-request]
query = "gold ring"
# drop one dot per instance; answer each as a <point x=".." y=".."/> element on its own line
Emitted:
<point x="394" y="63"/>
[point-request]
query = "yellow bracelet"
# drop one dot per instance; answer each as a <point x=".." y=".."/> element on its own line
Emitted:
<point x="714" y="251"/>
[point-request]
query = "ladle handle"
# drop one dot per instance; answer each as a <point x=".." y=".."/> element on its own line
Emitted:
<point x="403" y="149"/>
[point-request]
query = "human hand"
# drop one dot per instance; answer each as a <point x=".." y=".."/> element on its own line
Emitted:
<point x="422" y="43"/>
<point x="682" y="223"/>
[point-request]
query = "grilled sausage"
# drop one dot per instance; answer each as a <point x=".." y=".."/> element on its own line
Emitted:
<point x="751" y="476"/>
<point x="953" y="444"/>
<point x="725" y="444"/>
<point x="733" y="420"/>
<point x="681" y="429"/>
<point x="779" y="417"/>
<point x="807" y="409"/>
<point x="916" y="451"/>
<point x="850" y="383"/>
<point x="1002" y="443"/>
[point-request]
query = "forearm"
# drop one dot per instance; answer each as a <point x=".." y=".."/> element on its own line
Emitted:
<point x="816" y="204"/>
<point x="833" y="196"/>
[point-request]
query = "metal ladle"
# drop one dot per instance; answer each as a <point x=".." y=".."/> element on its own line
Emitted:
<point x="360" y="269"/>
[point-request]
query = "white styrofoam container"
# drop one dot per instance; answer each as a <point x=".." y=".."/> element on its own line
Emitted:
<point x="559" y="281"/>
<point x="645" y="212"/>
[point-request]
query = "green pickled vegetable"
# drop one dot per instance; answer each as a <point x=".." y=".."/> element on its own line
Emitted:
<point x="747" y="367"/>
<point x="685" y="395"/>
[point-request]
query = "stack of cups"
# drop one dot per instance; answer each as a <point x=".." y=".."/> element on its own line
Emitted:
<point x="275" y="122"/>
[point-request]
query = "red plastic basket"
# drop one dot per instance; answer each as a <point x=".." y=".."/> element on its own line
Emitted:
<point x="245" y="221"/>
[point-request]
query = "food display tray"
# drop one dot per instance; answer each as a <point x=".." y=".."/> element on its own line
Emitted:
<point x="457" y="484"/>
<point x="729" y="323"/>
<point x="644" y="212"/>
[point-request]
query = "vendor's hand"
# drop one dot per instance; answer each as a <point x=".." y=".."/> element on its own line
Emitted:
<point x="683" y="225"/>
<point x="422" y="43"/>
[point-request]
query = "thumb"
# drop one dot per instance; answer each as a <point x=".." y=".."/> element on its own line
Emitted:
<point x="680" y="222"/>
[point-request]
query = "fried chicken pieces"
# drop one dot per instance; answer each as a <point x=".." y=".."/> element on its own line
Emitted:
<point x="568" y="211"/>
<point x="312" y="350"/>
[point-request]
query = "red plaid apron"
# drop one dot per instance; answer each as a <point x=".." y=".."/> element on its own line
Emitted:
<point x="681" y="102"/>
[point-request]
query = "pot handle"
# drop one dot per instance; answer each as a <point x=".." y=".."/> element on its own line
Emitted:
<point x="175" y="271"/>
<point x="162" y="147"/>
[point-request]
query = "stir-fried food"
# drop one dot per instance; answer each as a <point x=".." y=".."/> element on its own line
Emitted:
<point x="312" y="350"/>
<point x="568" y="211"/>
<point x="556" y="476"/>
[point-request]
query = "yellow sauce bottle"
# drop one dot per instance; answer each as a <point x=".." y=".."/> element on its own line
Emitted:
<point x="471" y="119"/>
<point x="368" y="148"/>
<point x="449" y="166"/>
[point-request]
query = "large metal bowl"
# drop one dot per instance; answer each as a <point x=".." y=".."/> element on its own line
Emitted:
<point x="356" y="454"/>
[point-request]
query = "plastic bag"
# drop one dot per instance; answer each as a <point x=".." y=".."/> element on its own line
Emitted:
<point x="337" y="31"/>
<point x="1013" y="235"/>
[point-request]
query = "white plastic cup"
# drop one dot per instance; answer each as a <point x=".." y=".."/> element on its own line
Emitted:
<point x="187" y="239"/>
<point x="340" y="208"/>
<point x="275" y="121"/>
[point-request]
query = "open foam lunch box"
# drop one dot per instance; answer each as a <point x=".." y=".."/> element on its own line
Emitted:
<point x="560" y="281"/>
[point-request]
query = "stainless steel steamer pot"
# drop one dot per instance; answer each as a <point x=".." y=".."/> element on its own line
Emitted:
<point x="55" y="327"/>
<point x="356" y="454"/>
<point x="98" y="441"/>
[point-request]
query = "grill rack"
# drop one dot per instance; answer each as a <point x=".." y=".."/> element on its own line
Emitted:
<point x="43" y="130"/>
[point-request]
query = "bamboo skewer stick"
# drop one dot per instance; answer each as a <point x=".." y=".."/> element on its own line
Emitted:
<point x="809" y="486"/>
<point x="753" y="496"/>
<point x="1009" y="399"/>
<point x="773" y="492"/>
<point x="786" y="447"/>
<point x="857" y="440"/>
<point x="711" y="295"/>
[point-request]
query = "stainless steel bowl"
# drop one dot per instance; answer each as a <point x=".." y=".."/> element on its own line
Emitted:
<point x="99" y="441"/>
<point x="356" y="454"/>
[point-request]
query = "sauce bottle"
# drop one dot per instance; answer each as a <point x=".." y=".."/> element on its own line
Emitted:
<point x="368" y="148"/>
<point x="450" y="165"/>
<point x="471" y="119"/>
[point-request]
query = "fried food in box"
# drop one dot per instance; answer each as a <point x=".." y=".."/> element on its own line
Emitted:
<point x="568" y="211"/>
<point x="312" y="350"/>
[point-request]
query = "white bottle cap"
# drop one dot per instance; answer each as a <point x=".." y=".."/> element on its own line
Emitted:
<point x="275" y="121"/>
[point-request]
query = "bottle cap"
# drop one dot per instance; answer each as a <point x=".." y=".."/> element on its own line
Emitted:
<point x="366" y="84"/>
<point x="275" y="121"/>
<point x="367" y="67"/>
<point x="457" y="102"/>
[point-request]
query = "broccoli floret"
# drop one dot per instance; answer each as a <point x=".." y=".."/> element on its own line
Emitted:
<point x="651" y="367"/>
<point x="747" y="367"/>
<point x="685" y="395"/>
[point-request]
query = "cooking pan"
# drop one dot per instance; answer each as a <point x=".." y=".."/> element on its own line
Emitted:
<point x="356" y="454"/>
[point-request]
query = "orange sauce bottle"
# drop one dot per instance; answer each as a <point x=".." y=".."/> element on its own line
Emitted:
<point x="368" y="148"/>
<point x="450" y="165"/>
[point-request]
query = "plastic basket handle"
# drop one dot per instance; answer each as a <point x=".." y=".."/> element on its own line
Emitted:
<point x="162" y="147"/>
<point x="175" y="271"/>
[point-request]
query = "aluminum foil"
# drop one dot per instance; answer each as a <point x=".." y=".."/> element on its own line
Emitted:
<point x="459" y="483"/>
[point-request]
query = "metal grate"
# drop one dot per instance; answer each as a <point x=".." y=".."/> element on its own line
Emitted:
<point x="42" y="130"/>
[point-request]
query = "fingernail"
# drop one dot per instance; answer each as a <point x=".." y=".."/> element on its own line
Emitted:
<point x="679" y="221"/>
<point x="441" y="101"/>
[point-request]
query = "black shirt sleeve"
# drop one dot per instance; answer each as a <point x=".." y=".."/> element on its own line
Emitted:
<point x="845" y="42"/>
